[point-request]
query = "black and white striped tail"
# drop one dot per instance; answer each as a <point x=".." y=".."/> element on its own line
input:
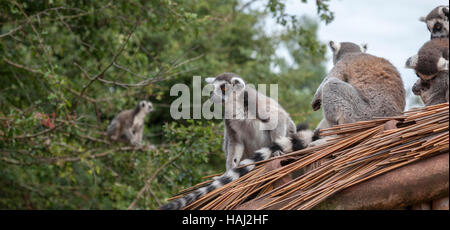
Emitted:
<point x="301" y="127"/>
<point x="283" y="144"/>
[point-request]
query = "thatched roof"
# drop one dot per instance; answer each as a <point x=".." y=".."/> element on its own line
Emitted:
<point x="383" y="163"/>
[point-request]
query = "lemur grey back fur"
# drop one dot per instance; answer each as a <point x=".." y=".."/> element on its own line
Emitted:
<point x="437" y="22"/>
<point x="128" y="125"/>
<point x="360" y="86"/>
<point x="243" y="136"/>
<point x="431" y="66"/>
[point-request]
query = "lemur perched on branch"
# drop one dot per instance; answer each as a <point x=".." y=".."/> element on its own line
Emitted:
<point x="128" y="125"/>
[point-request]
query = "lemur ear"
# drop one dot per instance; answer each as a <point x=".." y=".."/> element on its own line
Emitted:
<point x="364" y="47"/>
<point x="411" y="62"/>
<point x="444" y="11"/>
<point x="334" y="46"/>
<point x="238" y="82"/>
<point x="442" y="64"/>
<point x="423" y="19"/>
<point x="209" y="80"/>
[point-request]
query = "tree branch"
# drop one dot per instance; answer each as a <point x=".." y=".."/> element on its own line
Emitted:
<point x="101" y="74"/>
<point x="149" y="180"/>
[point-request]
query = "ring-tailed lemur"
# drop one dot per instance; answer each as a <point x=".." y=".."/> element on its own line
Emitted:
<point x="359" y="86"/>
<point x="437" y="22"/>
<point x="252" y="120"/>
<point x="244" y="135"/>
<point x="128" y="125"/>
<point x="434" y="91"/>
<point x="431" y="66"/>
<point x="431" y="59"/>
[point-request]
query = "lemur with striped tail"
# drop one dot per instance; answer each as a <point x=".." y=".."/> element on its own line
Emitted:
<point x="257" y="125"/>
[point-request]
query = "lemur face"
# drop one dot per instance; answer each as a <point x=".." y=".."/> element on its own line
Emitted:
<point x="437" y="22"/>
<point x="432" y="91"/>
<point x="420" y="86"/>
<point x="146" y="106"/>
<point x="226" y="86"/>
<point x="438" y="28"/>
<point x="341" y="48"/>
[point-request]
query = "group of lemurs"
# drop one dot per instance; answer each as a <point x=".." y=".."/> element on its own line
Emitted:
<point x="431" y="62"/>
<point x="360" y="86"/>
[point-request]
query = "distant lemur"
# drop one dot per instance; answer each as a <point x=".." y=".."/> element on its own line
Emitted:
<point x="128" y="125"/>
<point x="245" y="137"/>
<point x="359" y="87"/>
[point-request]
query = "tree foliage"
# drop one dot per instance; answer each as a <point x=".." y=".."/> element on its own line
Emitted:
<point x="68" y="67"/>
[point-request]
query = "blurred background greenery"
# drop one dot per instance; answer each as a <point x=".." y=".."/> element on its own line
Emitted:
<point x="68" y="67"/>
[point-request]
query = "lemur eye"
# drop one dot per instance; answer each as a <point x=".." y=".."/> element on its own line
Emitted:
<point x="437" y="26"/>
<point x="222" y="87"/>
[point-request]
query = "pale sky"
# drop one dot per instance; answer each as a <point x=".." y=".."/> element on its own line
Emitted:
<point x="391" y="28"/>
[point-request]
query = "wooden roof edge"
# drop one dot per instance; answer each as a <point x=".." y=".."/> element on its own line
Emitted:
<point x="423" y="180"/>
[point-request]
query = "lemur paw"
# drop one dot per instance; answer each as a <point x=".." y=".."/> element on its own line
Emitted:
<point x="277" y="153"/>
<point x="136" y="144"/>
<point x="317" y="142"/>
